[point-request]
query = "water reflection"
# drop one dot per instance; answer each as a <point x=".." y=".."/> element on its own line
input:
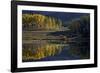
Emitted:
<point x="50" y="37"/>
<point x="46" y="50"/>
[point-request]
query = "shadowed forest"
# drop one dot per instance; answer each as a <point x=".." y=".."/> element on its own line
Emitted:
<point x="53" y="36"/>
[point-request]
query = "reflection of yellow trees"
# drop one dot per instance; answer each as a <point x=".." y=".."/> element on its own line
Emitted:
<point x="41" y="52"/>
<point x="42" y="21"/>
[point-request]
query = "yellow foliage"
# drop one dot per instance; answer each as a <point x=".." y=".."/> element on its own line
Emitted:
<point x="42" y="21"/>
<point x="43" y="51"/>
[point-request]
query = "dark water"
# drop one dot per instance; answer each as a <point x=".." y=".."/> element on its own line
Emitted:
<point x="67" y="36"/>
<point x="50" y="51"/>
<point x="64" y="55"/>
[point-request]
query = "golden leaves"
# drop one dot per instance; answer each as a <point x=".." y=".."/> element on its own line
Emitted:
<point x="42" y="21"/>
<point x="42" y="51"/>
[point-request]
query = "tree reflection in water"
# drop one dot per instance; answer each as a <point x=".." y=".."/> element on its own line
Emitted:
<point x="48" y="51"/>
<point x="38" y="52"/>
<point x="47" y="38"/>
